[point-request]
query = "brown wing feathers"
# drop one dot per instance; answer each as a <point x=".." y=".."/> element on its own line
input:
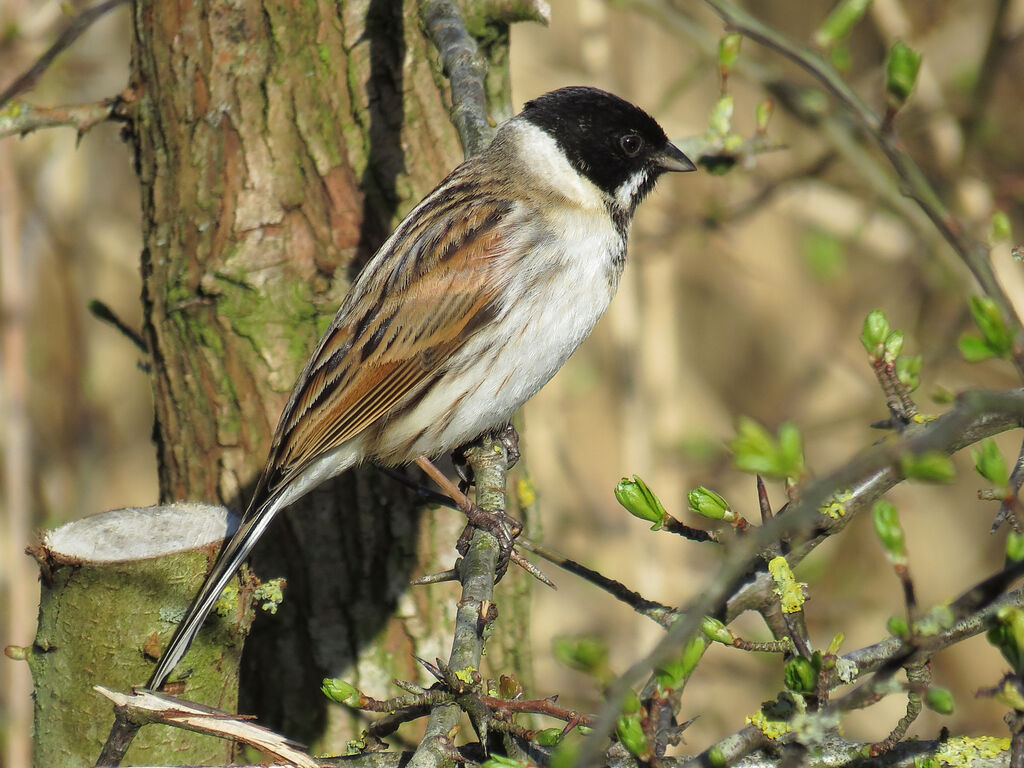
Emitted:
<point x="376" y="353"/>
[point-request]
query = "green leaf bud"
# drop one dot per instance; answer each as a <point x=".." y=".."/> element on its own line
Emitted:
<point x="990" y="322"/>
<point x="901" y="70"/>
<point x="729" y="50"/>
<point x="990" y="464"/>
<point x="549" y="737"/>
<point x="874" y="333"/>
<point x="838" y="24"/>
<point x="711" y="505"/>
<point x="889" y="531"/>
<point x="338" y="690"/>
<point x="939" y="699"/>
<point x="1014" y="547"/>
<point x="999" y="230"/>
<point x="763" y="114"/>
<point x="640" y="501"/>
<point x="908" y="371"/>
<point x="586" y="654"/>
<point x="801" y="675"/>
<point x="898" y="627"/>
<point x="893" y="346"/>
<point x="715" y="630"/>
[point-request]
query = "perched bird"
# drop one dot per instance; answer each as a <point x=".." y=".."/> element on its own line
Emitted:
<point x="474" y="302"/>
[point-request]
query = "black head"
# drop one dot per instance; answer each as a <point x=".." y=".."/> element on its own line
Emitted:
<point x="613" y="143"/>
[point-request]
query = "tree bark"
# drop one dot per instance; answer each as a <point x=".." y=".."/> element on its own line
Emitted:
<point x="276" y="147"/>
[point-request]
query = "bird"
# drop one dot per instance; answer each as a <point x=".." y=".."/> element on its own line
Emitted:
<point x="471" y="305"/>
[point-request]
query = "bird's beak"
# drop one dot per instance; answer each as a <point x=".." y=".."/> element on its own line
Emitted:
<point x="671" y="159"/>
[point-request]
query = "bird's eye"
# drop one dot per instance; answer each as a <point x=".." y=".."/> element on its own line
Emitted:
<point x="631" y="144"/>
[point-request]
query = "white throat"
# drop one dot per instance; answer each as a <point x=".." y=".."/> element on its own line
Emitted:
<point x="543" y="157"/>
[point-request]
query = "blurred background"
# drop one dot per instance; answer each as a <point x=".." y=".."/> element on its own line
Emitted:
<point x="744" y="295"/>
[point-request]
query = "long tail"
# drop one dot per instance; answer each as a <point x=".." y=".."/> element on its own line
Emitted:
<point x="228" y="561"/>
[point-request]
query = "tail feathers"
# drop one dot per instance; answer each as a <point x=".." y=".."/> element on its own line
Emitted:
<point x="228" y="561"/>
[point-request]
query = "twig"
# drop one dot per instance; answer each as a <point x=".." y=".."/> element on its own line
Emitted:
<point x="101" y="311"/>
<point x="996" y="48"/>
<point x="1007" y="510"/>
<point x="78" y="25"/>
<point x="150" y="707"/>
<point x="655" y="611"/>
<point x="21" y="119"/>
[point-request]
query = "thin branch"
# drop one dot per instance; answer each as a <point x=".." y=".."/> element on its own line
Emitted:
<point x="74" y="30"/>
<point x="657" y="612"/>
<point x="21" y="119"/>
<point x="998" y="45"/>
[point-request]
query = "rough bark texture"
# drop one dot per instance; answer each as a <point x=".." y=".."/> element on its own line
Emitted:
<point x="277" y="145"/>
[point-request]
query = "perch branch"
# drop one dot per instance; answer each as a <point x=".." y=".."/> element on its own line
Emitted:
<point x="478" y="568"/>
<point x="465" y="68"/>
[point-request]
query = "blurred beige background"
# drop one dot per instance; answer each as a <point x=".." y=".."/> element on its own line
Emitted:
<point x="731" y="304"/>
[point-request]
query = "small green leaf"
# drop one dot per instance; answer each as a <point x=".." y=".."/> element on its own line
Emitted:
<point x="671" y="674"/>
<point x="549" y="737"/>
<point x="729" y="50"/>
<point x="874" y="333"/>
<point x="338" y="690"/>
<point x="640" y="501"/>
<point x="755" y="450"/>
<point x="974" y="348"/>
<point x="908" y="371"/>
<point x="837" y="641"/>
<point x="939" y="699"/>
<point x="889" y="531"/>
<point x="801" y="674"/>
<point x="715" y="630"/>
<point x="990" y="322"/>
<point x="1007" y="634"/>
<point x="838" y="24"/>
<point x="763" y="114"/>
<point x="586" y="654"/>
<point x="893" y="346"/>
<point x="898" y="627"/>
<point x="629" y="728"/>
<point x="1014" y="547"/>
<point x="901" y="69"/>
<point x="999" y="230"/>
<point x="929" y="467"/>
<point x="709" y="504"/>
<point x="990" y="464"/>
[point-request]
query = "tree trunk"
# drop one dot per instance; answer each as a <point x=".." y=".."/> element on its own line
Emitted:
<point x="277" y="146"/>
